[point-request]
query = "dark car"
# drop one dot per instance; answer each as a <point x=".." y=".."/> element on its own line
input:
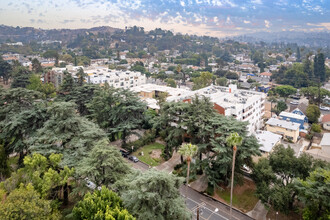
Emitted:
<point x="133" y="158"/>
<point x="124" y="153"/>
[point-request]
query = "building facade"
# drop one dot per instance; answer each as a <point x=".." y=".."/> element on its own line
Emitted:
<point x="289" y="130"/>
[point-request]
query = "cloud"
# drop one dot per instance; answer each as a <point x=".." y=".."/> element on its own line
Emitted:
<point x="259" y="2"/>
<point x="246" y="22"/>
<point x="321" y="26"/>
<point x="267" y="24"/>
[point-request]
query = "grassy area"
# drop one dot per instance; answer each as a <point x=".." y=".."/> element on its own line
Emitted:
<point x="243" y="198"/>
<point x="148" y="156"/>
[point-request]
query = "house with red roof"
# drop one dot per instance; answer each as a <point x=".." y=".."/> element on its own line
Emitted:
<point x="326" y="122"/>
<point x="266" y="75"/>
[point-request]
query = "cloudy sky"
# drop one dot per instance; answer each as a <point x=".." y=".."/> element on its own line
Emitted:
<point x="202" y="17"/>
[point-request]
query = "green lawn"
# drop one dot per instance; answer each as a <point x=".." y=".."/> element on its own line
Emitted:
<point x="244" y="201"/>
<point x="147" y="150"/>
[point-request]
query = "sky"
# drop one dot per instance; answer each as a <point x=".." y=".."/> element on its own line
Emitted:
<point x="218" y="18"/>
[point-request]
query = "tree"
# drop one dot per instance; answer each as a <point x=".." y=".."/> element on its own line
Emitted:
<point x="20" y="77"/>
<point x="36" y="66"/>
<point x="285" y="90"/>
<point x="153" y="195"/>
<point x="189" y="151"/>
<point x="102" y="204"/>
<point x="280" y="107"/>
<point x="233" y="140"/>
<point x="313" y="113"/>
<point x="314" y="94"/>
<point x="66" y="133"/>
<point x="25" y="203"/>
<point x="46" y="176"/>
<point x="274" y="177"/>
<point x="20" y="117"/>
<point x="171" y="83"/>
<point x="319" y="67"/>
<point x="47" y="89"/>
<point x="204" y="80"/>
<point x="222" y="81"/>
<point x="103" y="165"/>
<point x="81" y="76"/>
<point x="5" y="70"/>
<point x="271" y="99"/>
<point x="117" y="111"/>
<point x="80" y="95"/>
<point x="314" y="193"/>
<point x="67" y="58"/>
<point x="307" y="67"/>
<point x="298" y="54"/>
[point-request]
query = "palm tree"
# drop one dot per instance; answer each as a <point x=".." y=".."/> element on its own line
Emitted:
<point x="188" y="150"/>
<point x="233" y="140"/>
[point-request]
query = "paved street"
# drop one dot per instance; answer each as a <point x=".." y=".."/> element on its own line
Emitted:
<point x="208" y="207"/>
<point x="195" y="199"/>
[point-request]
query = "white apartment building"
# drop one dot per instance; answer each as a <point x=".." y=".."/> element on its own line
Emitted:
<point x="115" y="78"/>
<point x="244" y="105"/>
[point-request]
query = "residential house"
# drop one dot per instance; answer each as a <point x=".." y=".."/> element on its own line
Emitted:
<point x="288" y="116"/>
<point x="266" y="75"/>
<point x="289" y="130"/>
<point x="323" y="151"/>
<point x="300" y="112"/>
<point x="326" y="122"/>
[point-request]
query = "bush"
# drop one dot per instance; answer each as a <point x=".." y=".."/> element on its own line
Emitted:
<point x="210" y="190"/>
<point x="316" y="128"/>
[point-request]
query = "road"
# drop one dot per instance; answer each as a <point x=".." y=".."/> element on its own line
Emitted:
<point x="207" y="204"/>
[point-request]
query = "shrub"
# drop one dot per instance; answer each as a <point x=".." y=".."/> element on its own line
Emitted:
<point x="210" y="190"/>
<point x="316" y="128"/>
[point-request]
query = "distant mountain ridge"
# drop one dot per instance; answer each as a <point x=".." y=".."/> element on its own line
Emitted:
<point x="27" y="34"/>
<point x="310" y="39"/>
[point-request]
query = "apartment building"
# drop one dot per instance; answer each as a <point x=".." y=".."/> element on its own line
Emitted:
<point x="289" y="130"/>
<point x="229" y="101"/>
<point x="115" y="78"/>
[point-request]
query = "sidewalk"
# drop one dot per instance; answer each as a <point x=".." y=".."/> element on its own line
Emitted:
<point x="259" y="212"/>
<point x="169" y="165"/>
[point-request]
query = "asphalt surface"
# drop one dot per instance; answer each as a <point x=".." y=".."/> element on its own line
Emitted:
<point x="207" y="205"/>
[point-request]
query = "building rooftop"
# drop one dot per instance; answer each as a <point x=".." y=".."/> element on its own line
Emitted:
<point x="326" y="118"/>
<point x="283" y="124"/>
<point x="267" y="140"/>
<point x="266" y="74"/>
<point x="292" y="115"/>
<point x="325" y="140"/>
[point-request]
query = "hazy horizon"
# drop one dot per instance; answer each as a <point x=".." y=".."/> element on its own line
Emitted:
<point x="218" y="18"/>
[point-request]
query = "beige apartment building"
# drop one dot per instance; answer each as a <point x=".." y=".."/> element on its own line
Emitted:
<point x="289" y="130"/>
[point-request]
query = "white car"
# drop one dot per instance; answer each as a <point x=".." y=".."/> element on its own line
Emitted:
<point x="294" y="103"/>
<point x="324" y="108"/>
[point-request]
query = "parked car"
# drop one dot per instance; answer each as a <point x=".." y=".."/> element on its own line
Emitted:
<point x="294" y="103"/>
<point x="133" y="158"/>
<point x="124" y="153"/>
<point x="324" y="108"/>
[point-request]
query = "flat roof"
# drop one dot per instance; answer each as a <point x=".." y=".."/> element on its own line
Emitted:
<point x="325" y="140"/>
<point x="267" y="140"/>
<point x="292" y="115"/>
<point x="283" y="124"/>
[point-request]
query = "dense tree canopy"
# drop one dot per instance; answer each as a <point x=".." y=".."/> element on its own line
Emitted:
<point x="104" y="165"/>
<point x="67" y="133"/>
<point x="274" y="177"/>
<point x="117" y="111"/>
<point x="25" y="203"/>
<point x="153" y="195"/>
<point x="102" y="204"/>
